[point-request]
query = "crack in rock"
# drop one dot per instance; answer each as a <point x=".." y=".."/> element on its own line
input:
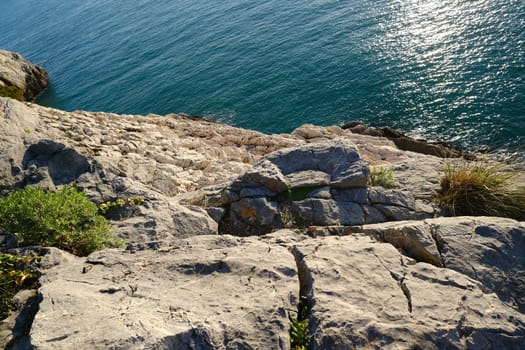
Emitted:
<point x="400" y="281"/>
<point x="306" y="296"/>
<point x="435" y="236"/>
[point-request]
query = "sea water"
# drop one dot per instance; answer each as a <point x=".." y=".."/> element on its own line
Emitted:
<point x="452" y="70"/>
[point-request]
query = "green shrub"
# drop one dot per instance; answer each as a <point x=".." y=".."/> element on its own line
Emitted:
<point x="64" y="219"/>
<point x="15" y="274"/>
<point x="480" y="190"/>
<point x="12" y="91"/>
<point x="380" y="176"/>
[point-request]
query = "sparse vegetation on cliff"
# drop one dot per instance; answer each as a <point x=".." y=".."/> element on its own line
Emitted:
<point x="65" y="219"/>
<point x="380" y="176"/>
<point x="480" y="190"/>
<point x="15" y="274"/>
<point x="12" y="91"/>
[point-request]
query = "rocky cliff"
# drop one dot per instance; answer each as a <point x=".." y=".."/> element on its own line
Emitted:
<point x="240" y="231"/>
<point x="21" y="74"/>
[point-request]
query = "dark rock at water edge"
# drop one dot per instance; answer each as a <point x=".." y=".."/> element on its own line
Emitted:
<point x="22" y="74"/>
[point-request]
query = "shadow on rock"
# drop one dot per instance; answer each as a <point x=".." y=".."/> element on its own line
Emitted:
<point x="63" y="165"/>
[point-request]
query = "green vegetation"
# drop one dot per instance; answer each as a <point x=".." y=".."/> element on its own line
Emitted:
<point x="15" y="274"/>
<point x="482" y="190"/>
<point x="380" y="176"/>
<point x="299" y="338"/>
<point x="65" y="219"/>
<point x="108" y="207"/>
<point x="299" y="334"/>
<point x="12" y="91"/>
<point x="300" y="193"/>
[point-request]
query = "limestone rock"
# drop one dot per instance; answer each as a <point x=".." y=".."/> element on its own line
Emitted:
<point x="207" y="292"/>
<point x="329" y="157"/>
<point x="16" y="71"/>
<point x="364" y="294"/>
<point x="406" y="143"/>
<point x="489" y="250"/>
<point x="323" y="183"/>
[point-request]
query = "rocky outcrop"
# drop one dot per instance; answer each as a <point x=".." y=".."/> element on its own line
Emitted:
<point x="429" y="282"/>
<point x="406" y="143"/>
<point x="323" y="183"/>
<point x="18" y="72"/>
<point x="367" y="295"/>
<point x="203" y="293"/>
<point x="226" y="292"/>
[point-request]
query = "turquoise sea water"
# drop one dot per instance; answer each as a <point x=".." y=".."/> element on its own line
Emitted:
<point x="450" y="70"/>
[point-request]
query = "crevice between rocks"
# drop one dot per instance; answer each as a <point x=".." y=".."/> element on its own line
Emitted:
<point x="306" y="297"/>
<point x="24" y="321"/>
<point x="439" y="247"/>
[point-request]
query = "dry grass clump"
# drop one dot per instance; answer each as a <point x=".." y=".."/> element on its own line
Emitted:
<point x="480" y="190"/>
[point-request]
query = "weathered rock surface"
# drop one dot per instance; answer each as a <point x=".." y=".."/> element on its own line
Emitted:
<point x="489" y="250"/>
<point x="323" y="183"/>
<point x="406" y="143"/>
<point x="208" y="292"/>
<point x="229" y="292"/>
<point x="16" y="71"/>
<point x="365" y="294"/>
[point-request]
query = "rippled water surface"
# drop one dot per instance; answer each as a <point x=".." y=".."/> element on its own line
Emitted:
<point x="453" y="70"/>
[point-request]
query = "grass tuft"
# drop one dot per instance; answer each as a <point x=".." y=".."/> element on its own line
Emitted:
<point x="480" y="190"/>
<point x="380" y="176"/>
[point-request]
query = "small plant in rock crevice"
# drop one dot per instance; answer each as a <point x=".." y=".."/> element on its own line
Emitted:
<point x="299" y="335"/>
<point x="109" y="206"/>
<point x="480" y="190"/>
<point x="380" y="176"/>
<point x="16" y="273"/>
<point x="66" y="219"/>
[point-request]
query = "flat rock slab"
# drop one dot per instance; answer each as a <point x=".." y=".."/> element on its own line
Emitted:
<point x="208" y="292"/>
<point x="365" y="294"/>
<point x="487" y="249"/>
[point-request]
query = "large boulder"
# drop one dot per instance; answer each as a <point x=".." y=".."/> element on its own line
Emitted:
<point x="18" y="72"/>
<point x="322" y="183"/>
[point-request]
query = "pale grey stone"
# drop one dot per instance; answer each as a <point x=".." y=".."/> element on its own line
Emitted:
<point x="490" y="250"/>
<point x="365" y="294"/>
<point x="379" y="195"/>
<point x="264" y="174"/>
<point x="313" y="211"/>
<point x="328" y="157"/>
<point x="351" y="176"/>
<point x="307" y="178"/>
<point x="207" y="292"/>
